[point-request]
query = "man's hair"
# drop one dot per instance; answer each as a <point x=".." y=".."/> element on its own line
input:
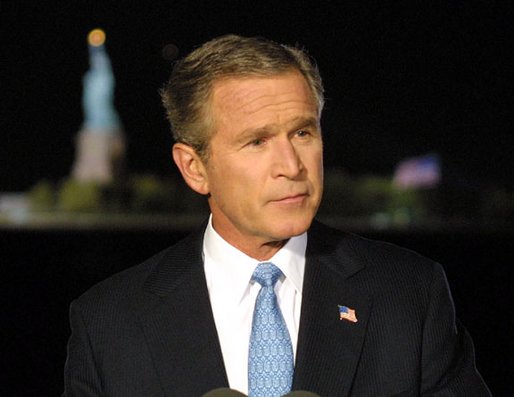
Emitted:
<point x="187" y="94"/>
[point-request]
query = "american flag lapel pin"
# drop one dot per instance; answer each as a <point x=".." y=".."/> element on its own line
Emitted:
<point x="345" y="313"/>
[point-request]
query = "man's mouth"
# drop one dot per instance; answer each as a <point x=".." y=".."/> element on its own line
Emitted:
<point x="291" y="199"/>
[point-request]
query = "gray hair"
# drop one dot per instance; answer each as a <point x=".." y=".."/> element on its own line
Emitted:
<point x="187" y="94"/>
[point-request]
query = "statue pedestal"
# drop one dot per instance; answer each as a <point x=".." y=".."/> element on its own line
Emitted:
<point x="99" y="155"/>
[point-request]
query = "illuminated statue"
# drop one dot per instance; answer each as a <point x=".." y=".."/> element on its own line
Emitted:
<point x="98" y="97"/>
<point x="100" y="143"/>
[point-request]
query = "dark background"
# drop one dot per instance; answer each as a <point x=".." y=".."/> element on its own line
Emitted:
<point x="402" y="78"/>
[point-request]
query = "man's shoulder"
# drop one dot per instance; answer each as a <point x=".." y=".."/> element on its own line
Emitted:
<point x="128" y="283"/>
<point x="377" y="256"/>
<point x="383" y="270"/>
<point x="124" y="282"/>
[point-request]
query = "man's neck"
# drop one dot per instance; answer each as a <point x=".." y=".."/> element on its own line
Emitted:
<point x="255" y="249"/>
<point x="254" y="246"/>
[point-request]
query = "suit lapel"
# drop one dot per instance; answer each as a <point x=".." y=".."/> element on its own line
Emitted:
<point x="329" y="348"/>
<point x="178" y="324"/>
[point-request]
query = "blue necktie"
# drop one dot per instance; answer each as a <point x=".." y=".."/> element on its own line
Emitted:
<point x="270" y="359"/>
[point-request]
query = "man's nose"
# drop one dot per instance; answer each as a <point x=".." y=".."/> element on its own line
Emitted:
<point x="286" y="160"/>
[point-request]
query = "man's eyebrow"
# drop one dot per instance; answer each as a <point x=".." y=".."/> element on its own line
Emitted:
<point x="252" y="133"/>
<point x="296" y="123"/>
<point x="300" y="122"/>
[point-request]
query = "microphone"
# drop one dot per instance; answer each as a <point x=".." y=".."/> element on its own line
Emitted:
<point x="224" y="392"/>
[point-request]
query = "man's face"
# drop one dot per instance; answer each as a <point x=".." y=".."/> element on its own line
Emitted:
<point x="265" y="165"/>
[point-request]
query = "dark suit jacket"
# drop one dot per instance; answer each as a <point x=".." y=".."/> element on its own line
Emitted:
<point x="149" y="331"/>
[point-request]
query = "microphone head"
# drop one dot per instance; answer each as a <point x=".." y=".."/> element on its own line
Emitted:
<point x="224" y="392"/>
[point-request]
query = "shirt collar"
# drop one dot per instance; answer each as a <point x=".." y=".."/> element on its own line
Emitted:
<point x="227" y="267"/>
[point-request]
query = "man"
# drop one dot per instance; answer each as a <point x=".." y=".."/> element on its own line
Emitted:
<point x="354" y="316"/>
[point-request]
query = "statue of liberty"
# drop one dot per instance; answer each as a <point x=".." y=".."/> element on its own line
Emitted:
<point x="100" y="143"/>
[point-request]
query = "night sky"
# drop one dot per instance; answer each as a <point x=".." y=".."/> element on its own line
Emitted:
<point x="402" y="78"/>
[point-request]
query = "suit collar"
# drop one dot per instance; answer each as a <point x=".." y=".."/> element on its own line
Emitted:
<point x="176" y="264"/>
<point x="324" y="243"/>
<point x="334" y="249"/>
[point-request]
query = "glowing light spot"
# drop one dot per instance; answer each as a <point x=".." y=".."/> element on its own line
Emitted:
<point x="96" y="37"/>
<point x="170" y="52"/>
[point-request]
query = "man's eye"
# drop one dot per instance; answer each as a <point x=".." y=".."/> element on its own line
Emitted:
<point x="302" y="133"/>
<point x="257" y="142"/>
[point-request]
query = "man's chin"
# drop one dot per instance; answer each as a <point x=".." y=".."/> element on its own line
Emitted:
<point x="288" y="229"/>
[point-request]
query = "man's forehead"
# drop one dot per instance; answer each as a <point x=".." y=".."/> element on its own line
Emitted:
<point x="239" y="91"/>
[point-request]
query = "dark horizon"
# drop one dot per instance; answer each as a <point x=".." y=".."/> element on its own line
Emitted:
<point x="401" y="80"/>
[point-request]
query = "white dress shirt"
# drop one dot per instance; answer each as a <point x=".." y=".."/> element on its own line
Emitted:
<point x="228" y="272"/>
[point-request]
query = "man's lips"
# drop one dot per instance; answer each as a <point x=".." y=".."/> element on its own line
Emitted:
<point x="294" y="198"/>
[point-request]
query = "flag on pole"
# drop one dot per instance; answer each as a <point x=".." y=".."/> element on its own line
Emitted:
<point x="418" y="172"/>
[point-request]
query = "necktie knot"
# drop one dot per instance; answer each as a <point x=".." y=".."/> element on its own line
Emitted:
<point x="266" y="274"/>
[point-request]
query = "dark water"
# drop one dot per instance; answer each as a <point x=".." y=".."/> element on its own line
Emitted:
<point x="42" y="271"/>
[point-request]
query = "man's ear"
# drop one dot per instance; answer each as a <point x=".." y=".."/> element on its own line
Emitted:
<point x="191" y="167"/>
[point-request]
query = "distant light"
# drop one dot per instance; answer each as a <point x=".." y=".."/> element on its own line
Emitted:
<point x="170" y="52"/>
<point x="96" y="37"/>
